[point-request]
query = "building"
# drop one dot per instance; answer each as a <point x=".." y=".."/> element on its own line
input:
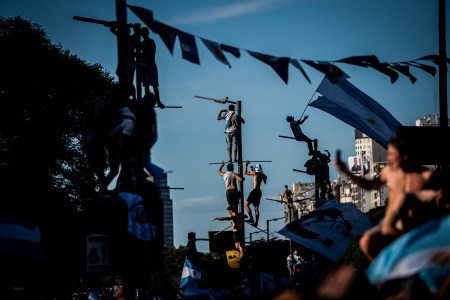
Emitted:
<point x="373" y="156"/>
<point x="304" y="194"/>
<point x="160" y="178"/>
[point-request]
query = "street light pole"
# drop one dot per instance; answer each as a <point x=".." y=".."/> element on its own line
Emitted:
<point x="267" y="225"/>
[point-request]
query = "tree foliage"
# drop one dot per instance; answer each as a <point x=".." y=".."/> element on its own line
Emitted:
<point x="45" y="93"/>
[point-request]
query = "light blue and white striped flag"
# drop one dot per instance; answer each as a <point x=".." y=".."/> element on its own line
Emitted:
<point x="424" y="251"/>
<point x="350" y="105"/>
<point x="191" y="275"/>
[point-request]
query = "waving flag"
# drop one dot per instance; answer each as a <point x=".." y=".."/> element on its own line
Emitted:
<point x="424" y="251"/>
<point x="352" y="106"/>
<point x="21" y="239"/>
<point x="190" y="276"/>
<point x="329" y="229"/>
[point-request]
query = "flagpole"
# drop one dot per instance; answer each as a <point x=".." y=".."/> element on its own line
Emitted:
<point x="311" y="98"/>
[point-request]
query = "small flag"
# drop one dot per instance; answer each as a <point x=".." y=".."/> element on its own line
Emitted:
<point x="190" y="276"/>
<point x="216" y="51"/>
<point x="188" y="47"/>
<point x="278" y="64"/>
<point x="21" y="238"/>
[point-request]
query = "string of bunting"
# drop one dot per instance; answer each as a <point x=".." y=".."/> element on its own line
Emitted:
<point x="280" y="65"/>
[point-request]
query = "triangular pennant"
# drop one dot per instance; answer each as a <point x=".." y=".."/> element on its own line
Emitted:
<point x="230" y="49"/>
<point x="279" y="64"/>
<point x="188" y="47"/>
<point x="166" y="33"/>
<point x="145" y="15"/>
<point x="429" y="69"/>
<point x="404" y="70"/>
<point x="332" y="72"/>
<point x="296" y="64"/>
<point x="383" y="68"/>
<point x="434" y="58"/>
<point x="216" y="51"/>
<point x="361" y="60"/>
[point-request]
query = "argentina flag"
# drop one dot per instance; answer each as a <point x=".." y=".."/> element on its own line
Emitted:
<point x="191" y="275"/>
<point x="350" y="105"/>
<point x="424" y="251"/>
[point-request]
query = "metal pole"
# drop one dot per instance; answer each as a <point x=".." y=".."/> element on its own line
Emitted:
<point x="122" y="43"/>
<point x="240" y="168"/>
<point x="137" y="28"/>
<point x="443" y="109"/>
<point x="267" y="228"/>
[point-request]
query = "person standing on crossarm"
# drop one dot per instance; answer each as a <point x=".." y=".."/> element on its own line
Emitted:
<point x="287" y="198"/>
<point x="232" y="129"/>
<point x="255" y="195"/>
<point x="237" y="226"/>
<point x="232" y="193"/>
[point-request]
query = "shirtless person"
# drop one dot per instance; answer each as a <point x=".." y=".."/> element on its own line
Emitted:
<point x="232" y="193"/>
<point x="404" y="179"/>
<point x="237" y="226"/>
<point x="255" y="195"/>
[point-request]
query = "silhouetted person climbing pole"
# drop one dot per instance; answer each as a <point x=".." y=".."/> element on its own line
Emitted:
<point x="299" y="135"/>
<point x="148" y="70"/>
<point x="232" y="129"/>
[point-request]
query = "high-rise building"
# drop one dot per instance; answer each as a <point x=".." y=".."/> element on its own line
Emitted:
<point x="373" y="157"/>
<point x="160" y="179"/>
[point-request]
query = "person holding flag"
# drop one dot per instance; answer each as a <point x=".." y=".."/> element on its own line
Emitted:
<point x="255" y="195"/>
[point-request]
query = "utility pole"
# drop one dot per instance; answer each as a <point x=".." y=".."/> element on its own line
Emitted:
<point x="239" y="149"/>
<point x="122" y="43"/>
<point x="240" y="168"/>
<point x="443" y="109"/>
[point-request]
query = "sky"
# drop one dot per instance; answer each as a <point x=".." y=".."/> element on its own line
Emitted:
<point x="191" y="137"/>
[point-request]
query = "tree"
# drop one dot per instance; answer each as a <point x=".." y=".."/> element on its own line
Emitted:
<point x="45" y="93"/>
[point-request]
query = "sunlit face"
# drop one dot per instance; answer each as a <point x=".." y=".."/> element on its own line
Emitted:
<point x="393" y="156"/>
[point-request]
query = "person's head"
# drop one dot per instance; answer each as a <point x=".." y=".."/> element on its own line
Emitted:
<point x="232" y="209"/>
<point x="258" y="168"/>
<point x="231" y="107"/>
<point x="397" y="151"/>
<point x="285" y="186"/>
<point x="289" y="118"/>
<point x="145" y="32"/>
<point x="355" y="160"/>
<point x="230" y="167"/>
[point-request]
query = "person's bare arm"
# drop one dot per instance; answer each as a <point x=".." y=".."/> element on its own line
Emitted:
<point x="245" y="170"/>
<point x="238" y="177"/>
<point x="219" y="116"/>
<point x="221" y="219"/>
<point x="367" y="184"/>
<point x="302" y="121"/>
<point x="221" y="173"/>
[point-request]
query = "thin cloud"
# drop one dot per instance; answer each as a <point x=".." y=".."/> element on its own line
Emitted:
<point x="230" y="11"/>
<point x="204" y="202"/>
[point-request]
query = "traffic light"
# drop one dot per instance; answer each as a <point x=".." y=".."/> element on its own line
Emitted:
<point x="191" y="248"/>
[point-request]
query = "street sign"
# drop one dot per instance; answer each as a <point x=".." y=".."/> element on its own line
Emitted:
<point x="97" y="252"/>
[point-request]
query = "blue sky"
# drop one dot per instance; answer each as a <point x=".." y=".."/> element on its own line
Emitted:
<point x="190" y="138"/>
